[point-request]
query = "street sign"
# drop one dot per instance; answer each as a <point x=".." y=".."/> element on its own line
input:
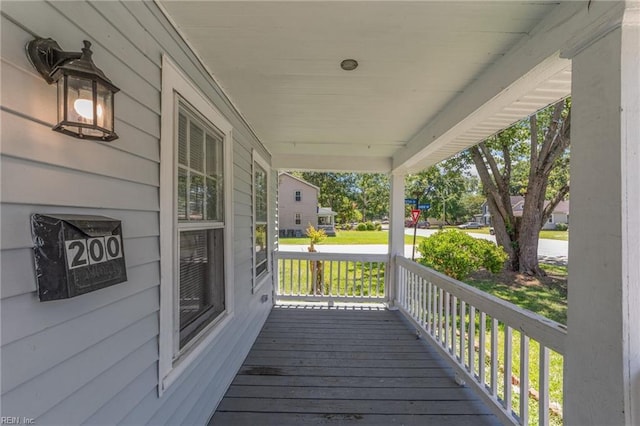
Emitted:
<point x="415" y="214"/>
<point x="425" y="206"/>
<point x="412" y="201"/>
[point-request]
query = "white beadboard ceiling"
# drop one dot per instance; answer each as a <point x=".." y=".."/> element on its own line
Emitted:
<point x="279" y="63"/>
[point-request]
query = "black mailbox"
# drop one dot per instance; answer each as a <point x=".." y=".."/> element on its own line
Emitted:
<point x="76" y="254"/>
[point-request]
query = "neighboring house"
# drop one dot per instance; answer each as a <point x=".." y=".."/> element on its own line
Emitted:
<point x="298" y="208"/>
<point x="327" y="220"/>
<point x="297" y="205"/>
<point x="559" y="215"/>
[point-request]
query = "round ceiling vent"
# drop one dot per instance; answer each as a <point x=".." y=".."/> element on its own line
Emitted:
<point x="349" y="64"/>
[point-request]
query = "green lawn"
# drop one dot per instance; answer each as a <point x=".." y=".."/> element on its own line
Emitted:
<point x="352" y="238"/>
<point x="337" y="278"/>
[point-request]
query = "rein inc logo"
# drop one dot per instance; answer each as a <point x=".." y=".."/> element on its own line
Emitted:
<point x="14" y="420"/>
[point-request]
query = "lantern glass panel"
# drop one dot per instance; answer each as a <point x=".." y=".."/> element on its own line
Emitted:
<point x="61" y="104"/>
<point x="80" y="100"/>
<point x="105" y="107"/>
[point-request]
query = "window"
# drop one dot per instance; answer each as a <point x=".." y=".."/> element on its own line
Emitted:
<point x="298" y="219"/>
<point x="260" y="219"/>
<point x="200" y="203"/>
<point x="196" y="222"/>
<point x="298" y="196"/>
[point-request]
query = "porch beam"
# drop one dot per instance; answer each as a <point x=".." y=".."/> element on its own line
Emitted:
<point x="532" y="61"/>
<point x="602" y="362"/>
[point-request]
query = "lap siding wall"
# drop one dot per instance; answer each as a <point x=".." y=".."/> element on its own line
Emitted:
<point x="93" y="359"/>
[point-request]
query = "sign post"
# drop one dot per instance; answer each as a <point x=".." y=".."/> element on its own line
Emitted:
<point x="415" y="215"/>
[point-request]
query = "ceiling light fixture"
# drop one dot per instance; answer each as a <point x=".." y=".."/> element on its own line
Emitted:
<point x="349" y="64"/>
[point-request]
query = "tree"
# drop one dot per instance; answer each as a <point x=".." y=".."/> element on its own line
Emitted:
<point x="372" y="194"/>
<point x="442" y="186"/>
<point x="531" y="159"/>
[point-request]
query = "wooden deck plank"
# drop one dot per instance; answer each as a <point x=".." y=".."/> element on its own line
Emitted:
<point x="336" y="347"/>
<point x="339" y="406"/>
<point x="453" y="393"/>
<point x="296" y="419"/>
<point x="342" y="366"/>
<point x="349" y="363"/>
<point x="364" y="382"/>
<point x="353" y="355"/>
<point x="343" y="371"/>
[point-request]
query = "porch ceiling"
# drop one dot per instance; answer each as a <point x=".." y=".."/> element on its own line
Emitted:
<point x="279" y="63"/>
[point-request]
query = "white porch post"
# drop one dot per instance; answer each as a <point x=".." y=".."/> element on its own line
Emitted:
<point x="396" y="234"/>
<point x="602" y="361"/>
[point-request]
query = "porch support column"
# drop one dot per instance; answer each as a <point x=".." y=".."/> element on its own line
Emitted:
<point x="396" y="235"/>
<point x="602" y="362"/>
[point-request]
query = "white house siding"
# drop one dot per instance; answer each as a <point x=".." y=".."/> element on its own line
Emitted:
<point x="93" y="359"/>
<point x="288" y="206"/>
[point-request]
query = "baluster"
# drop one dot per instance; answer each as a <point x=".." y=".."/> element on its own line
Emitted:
<point x="370" y="289"/>
<point x="447" y="319"/>
<point x="507" y="368"/>
<point x="472" y="339"/>
<point x="440" y="315"/>
<point x="430" y="305"/>
<point x="425" y="309"/>
<point x="524" y="379"/>
<point x="482" y="343"/>
<point x="543" y="380"/>
<point x="454" y="327"/>
<point x="306" y="275"/>
<point x="463" y="331"/>
<point x="494" y="357"/>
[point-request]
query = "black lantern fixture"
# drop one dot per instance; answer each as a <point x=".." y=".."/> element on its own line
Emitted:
<point x="85" y="94"/>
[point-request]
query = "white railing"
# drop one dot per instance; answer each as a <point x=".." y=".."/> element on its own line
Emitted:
<point x="331" y="276"/>
<point x="491" y="343"/>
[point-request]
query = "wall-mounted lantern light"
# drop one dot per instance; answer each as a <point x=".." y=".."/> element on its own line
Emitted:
<point x="85" y="94"/>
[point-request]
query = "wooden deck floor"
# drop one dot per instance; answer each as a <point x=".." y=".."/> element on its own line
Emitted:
<point x="365" y="366"/>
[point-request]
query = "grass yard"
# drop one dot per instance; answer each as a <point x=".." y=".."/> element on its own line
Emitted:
<point x="351" y="238"/>
<point x="338" y="278"/>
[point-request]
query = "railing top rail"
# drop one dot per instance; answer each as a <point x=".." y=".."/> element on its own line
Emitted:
<point x="353" y="257"/>
<point x="550" y="333"/>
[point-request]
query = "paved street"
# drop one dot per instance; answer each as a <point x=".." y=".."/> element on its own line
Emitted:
<point x="553" y="251"/>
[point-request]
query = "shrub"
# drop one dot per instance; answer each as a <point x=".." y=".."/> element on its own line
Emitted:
<point x="378" y="227"/>
<point x="315" y="236"/>
<point x="370" y="226"/>
<point x="562" y="227"/>
<point x="361" y="227"/>
<point x="457" y="254"/>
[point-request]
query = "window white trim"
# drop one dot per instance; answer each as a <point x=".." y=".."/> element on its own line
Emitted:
<point x="174" y="82"/>
<point x="259" y="280"/>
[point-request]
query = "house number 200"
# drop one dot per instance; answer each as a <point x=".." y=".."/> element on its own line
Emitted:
<point x="92" y="250"/>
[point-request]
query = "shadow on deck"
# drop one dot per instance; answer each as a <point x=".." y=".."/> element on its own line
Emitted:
<point x="345" y="365"/>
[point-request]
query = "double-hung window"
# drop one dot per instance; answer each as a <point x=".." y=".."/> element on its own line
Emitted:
<point x="196" y="223"/>
<point x="200" y="226"/>
<point x="298" y="196"/>
<point x="260" y="219"/>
